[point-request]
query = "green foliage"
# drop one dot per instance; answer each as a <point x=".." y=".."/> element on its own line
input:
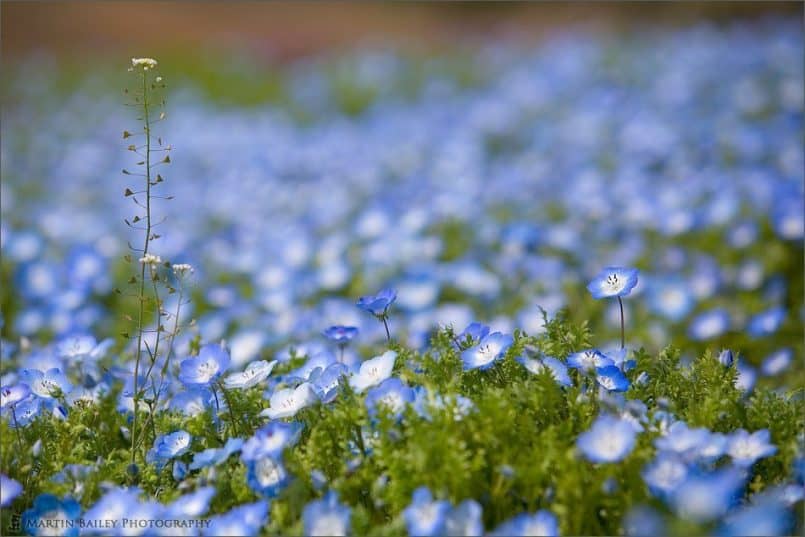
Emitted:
<point x="514" y="451"/>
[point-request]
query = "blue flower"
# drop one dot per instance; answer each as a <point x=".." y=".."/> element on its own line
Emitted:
<point x="266" y="476"/>
<point x="608" y="440"/>
<point x="643" y="520"/>
<point x="255" y="373"/>
<point x="378" y="305"/>
<point x="587" y="361"/>
<point x="51" y="516"/>
<point x="672" y="298"/>
<point x="24" y="412"/>
<point x="245" y="520"/>
<point x="326" y="383"/>
<point x="215" y="456"/>
<point x="270" y="440"/>
<point x="682" y="440"/>
<point x="204" y="369"/>
<point x="287" y="402"/>
<point x="474" y="332"/>
<point x="326" y="516"/>
<point x="709" y="324"/>
<point x="541" y="523"/>
<point x="373" y="371"/>
<point x="612" y="378"/>
<point x="766" y="323"/>
<point x="47" y="385"/>
<point x="465" y="520"/>
<point x="191" y="505"/>
<point x="556" y="368"/>
<point x="341" y="334"/>
<point x="392" y="394"/>
<point x="613" y="281"/>
<point x="169" y="446"/>
<point x="705" y="497"/>
<point x="776" y="362"/>
<point x="765" y="517"/>
<point x="725" y="358"/>
<point x="745" y="448"/>
<point x="425" y="517"/>
<point x="191" y="402"/>
<point x="486" y="352"/>
<point x="9" y="489"/>
<point x="11" y="395"/>
<point x="665" y="474"/>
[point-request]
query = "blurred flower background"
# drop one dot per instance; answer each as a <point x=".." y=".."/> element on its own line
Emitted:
<point x="485" y="160"/>
<point x="480" y="167"/>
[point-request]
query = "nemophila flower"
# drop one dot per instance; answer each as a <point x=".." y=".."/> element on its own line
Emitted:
<point x="392" y="394"/>
<point x="712" y="448"/>
<point x="11" y="395"/>
<point x="327" y="382"/>
<point x="589" y="360"/>
<point x="643" y="520"/>
<point x="270" y="440"/>
<point x="266" y="476"/>
<point x="114" y="506"/>
<point x="245" y="520"/>
<point x="51" y="516"/>
<point x="613" y="282"/>
<point x="766" y="323"/>
<point x="556" y="368"/>
<point x="287" y="402"/>
<point x="611" y="378"/>
<point x="373" y="371"/>
<point x="665" y="474"/>
<point x="542" y="523"/>
<point x="725" y="358"/>
<point x="425" y="516"/>
<point x="671" y="298"/>
<point x="378" y="305"/>
<point x="776" y="363"/>
<point x="9" y="490"/>
<point x="746" y="448"/>
<point x="608" y="440"/>
<point x="321" y="360"/>
<point x="761" y="518"/>
<point x="215" y="456"/>
<point x="192" y="401"/>
<point x="465" y="520"/>
<point x="204" y="369"/>
<point x="24" y="412"/>
<point x="620" y="359"/>
<point x="326" y="516"/>
<point x="49" y="384"/>
<point x="192" y="505"/>
<point x="703" y="497"/>
<point x="486" y="352"/>
<point x="474" y="332"/>
<point x="255" y="373"/>
<point x="37" y="280"/>
<point x="746" y="378"/>
<point x="170" y="446"/>
<point x="681" y="439"/>
<point x="76" y="346"/>
<point x="179" y="470"/>
<point x="709" y="324"/>
<point x="341" y="335"/>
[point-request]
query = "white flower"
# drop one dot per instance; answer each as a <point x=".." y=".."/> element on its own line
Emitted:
<point x="374" y="371"/>
<point x="145" y="63"/>
<point x="151" y="259"/>
<point x="286" y="403"/>
<point x="180" y="269"/>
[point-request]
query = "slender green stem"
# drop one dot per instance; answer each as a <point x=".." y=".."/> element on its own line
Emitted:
<point x="17" y="429"/>
<point x="231" y="410"/>
<point x="384" y="318"/>
<point x="141" y="295"/>
<point x="623" y="339"/>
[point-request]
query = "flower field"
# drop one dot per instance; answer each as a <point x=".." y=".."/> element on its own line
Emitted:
<point x="501" y="290"/>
